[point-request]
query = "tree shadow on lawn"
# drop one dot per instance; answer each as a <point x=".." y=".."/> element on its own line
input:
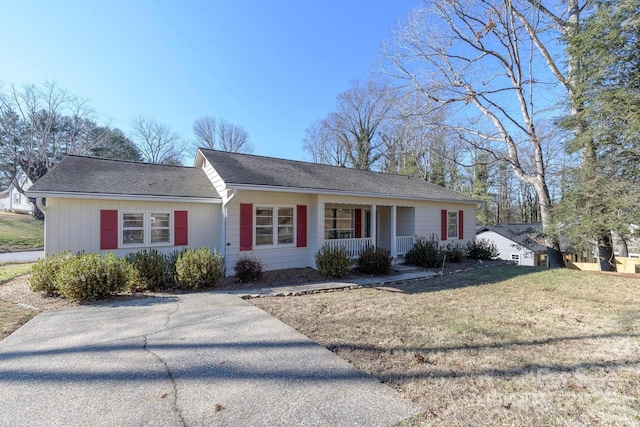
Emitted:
<point x="463" y="279"/>
<point x="422" y="354"/>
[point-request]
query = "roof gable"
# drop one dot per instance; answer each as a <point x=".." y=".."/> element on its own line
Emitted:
<point x="251" y="170"/>
<point x="92" y="175"/>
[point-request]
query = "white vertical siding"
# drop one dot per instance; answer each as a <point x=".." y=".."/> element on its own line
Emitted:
<point x="271" y="257"/>
<point x="74" y="224"/>
<point x="428" y="220"/>
<point x="384" y="224"/>
<point x="405" y="221"/>
<point x="507" y="247"/>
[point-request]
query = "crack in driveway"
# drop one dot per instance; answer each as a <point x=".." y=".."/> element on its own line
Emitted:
<point x="176" y="407"/>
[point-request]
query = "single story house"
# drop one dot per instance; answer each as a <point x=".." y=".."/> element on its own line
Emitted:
<point x="279" y="211"/>
<point x="12" y="200"/>
<point x="516" y="242"/>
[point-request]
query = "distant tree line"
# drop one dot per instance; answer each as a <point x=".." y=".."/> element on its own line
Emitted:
<point x="531" y="106"/>
<point x="39" y="125"/>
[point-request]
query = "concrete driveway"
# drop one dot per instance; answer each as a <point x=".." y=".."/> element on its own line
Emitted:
<point x="26" y="256"/>
<point x="186" y="360"/>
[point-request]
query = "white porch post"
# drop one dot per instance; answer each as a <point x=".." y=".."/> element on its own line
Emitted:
<point x="394" y="247"/>
<point x="374" y="226"/>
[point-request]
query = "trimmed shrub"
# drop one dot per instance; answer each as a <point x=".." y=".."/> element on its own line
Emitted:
<point x="376" y="261"/>
<point x="150" y="271"/>
<point x="87" y="276"/>
<point x="248" y="269"/>
<point x="333" y="262"/>
<point x="482" y="249"/>
<point x="455" y="252"/>
<point x="44" y="272"/>
<point x="198" y="268"/>
<point x="172" y="258"/>
<point x="425" y="253"/>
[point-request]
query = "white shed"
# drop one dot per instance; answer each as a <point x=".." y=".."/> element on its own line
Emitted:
<point x="518" y="243"/>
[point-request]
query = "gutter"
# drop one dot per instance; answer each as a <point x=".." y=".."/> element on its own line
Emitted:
<point x="111" y="196"/>
<point x="223" y="237"/>
<point x="41" y="205"/>
<point x="255" y="187"/>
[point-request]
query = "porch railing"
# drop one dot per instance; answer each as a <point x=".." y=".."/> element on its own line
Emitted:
<point x="353" y="246"/>
<point x="404" y="244"/>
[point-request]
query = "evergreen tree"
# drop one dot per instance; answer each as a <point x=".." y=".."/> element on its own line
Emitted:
<point x="604" y="195"/>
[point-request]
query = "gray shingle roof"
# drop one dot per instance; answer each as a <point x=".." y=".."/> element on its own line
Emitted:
<point x="247" y="169"/>
<point x="522" y="234"/>
<point x="78" y="174"/>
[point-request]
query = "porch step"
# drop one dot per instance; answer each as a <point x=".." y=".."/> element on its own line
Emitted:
<point x="402" y="268"/>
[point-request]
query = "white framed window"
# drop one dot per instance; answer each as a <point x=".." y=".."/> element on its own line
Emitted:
<point x="339" y="223"/>
<point x="17" y="198"/>
<point x="515" y="258"/>
<point x="452" y="224"/>
<point x="145" y="228"/>
<point x="274" y="225"/>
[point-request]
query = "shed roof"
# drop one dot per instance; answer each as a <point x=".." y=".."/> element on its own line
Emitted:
<point x="91" y="175"/>
<point x="521" y="234"/>
<point x="252" y="170"/>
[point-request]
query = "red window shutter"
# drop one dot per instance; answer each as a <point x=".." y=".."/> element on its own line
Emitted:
<point x="443" y="224"/>
<point x="301" y="226"/>
<point x="246" y="226"/>
<point x="180" y="228"/>
<point x="358" y="223"/>
<point x="460" y="225"/>
<point x="108" y="229"/>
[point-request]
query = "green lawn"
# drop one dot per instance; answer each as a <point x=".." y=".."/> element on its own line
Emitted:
<point x="20" y="232"/>
<point x="497" y="346"/>
<point x="9" y="271"/>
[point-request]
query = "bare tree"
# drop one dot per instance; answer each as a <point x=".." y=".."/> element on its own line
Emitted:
<point x="480" y="58"/>
<point x="321" y="145"/>
<point x="157" y="142"/>
<point x="351" y="133"/>
<point x="221" y="135"/>
<point x="39" y="125"/>
<point x="205" y="130"/>
<point x="233" y="138"/>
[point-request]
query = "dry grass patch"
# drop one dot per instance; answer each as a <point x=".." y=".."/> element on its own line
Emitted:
<point x="497" y="346"/>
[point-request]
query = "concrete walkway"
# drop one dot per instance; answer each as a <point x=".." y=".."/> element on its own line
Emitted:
<point x="405" y="275"/>
<point x="185" y="360"/>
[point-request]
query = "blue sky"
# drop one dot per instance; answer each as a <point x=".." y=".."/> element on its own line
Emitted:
<point x="272" y="67"/>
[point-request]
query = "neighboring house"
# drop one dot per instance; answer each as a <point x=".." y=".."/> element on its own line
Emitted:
<point x="279" y="211"/>
<point x="516" y="242"/>
<point x="11" y="200"/>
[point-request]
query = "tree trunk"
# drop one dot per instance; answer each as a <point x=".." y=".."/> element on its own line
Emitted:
<point x="624" y="247"/>
<point x="606" y="257"/>
<point x="554" y="254"/>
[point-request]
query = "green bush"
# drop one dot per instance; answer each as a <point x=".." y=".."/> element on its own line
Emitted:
<point x="88" y="276"/>
<point x="482" y="249"/>
<point x="172" y="258"/>
<point x="425" y="253"/>
<point x="333" y="262"/>
<point x="199" y="268"/>
<point x="376" y="261"/>
<point x="43" y="273"/>
<point x="150" y="271"/>
<point x="455" y="252"/>
<point x="248" y="269"/>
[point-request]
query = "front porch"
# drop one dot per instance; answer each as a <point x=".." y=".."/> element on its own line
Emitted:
<point x="356" y="227"/>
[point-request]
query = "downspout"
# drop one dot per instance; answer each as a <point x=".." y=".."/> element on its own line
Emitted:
<point x="41" y="205"/>
<point x="225" y="202"/>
